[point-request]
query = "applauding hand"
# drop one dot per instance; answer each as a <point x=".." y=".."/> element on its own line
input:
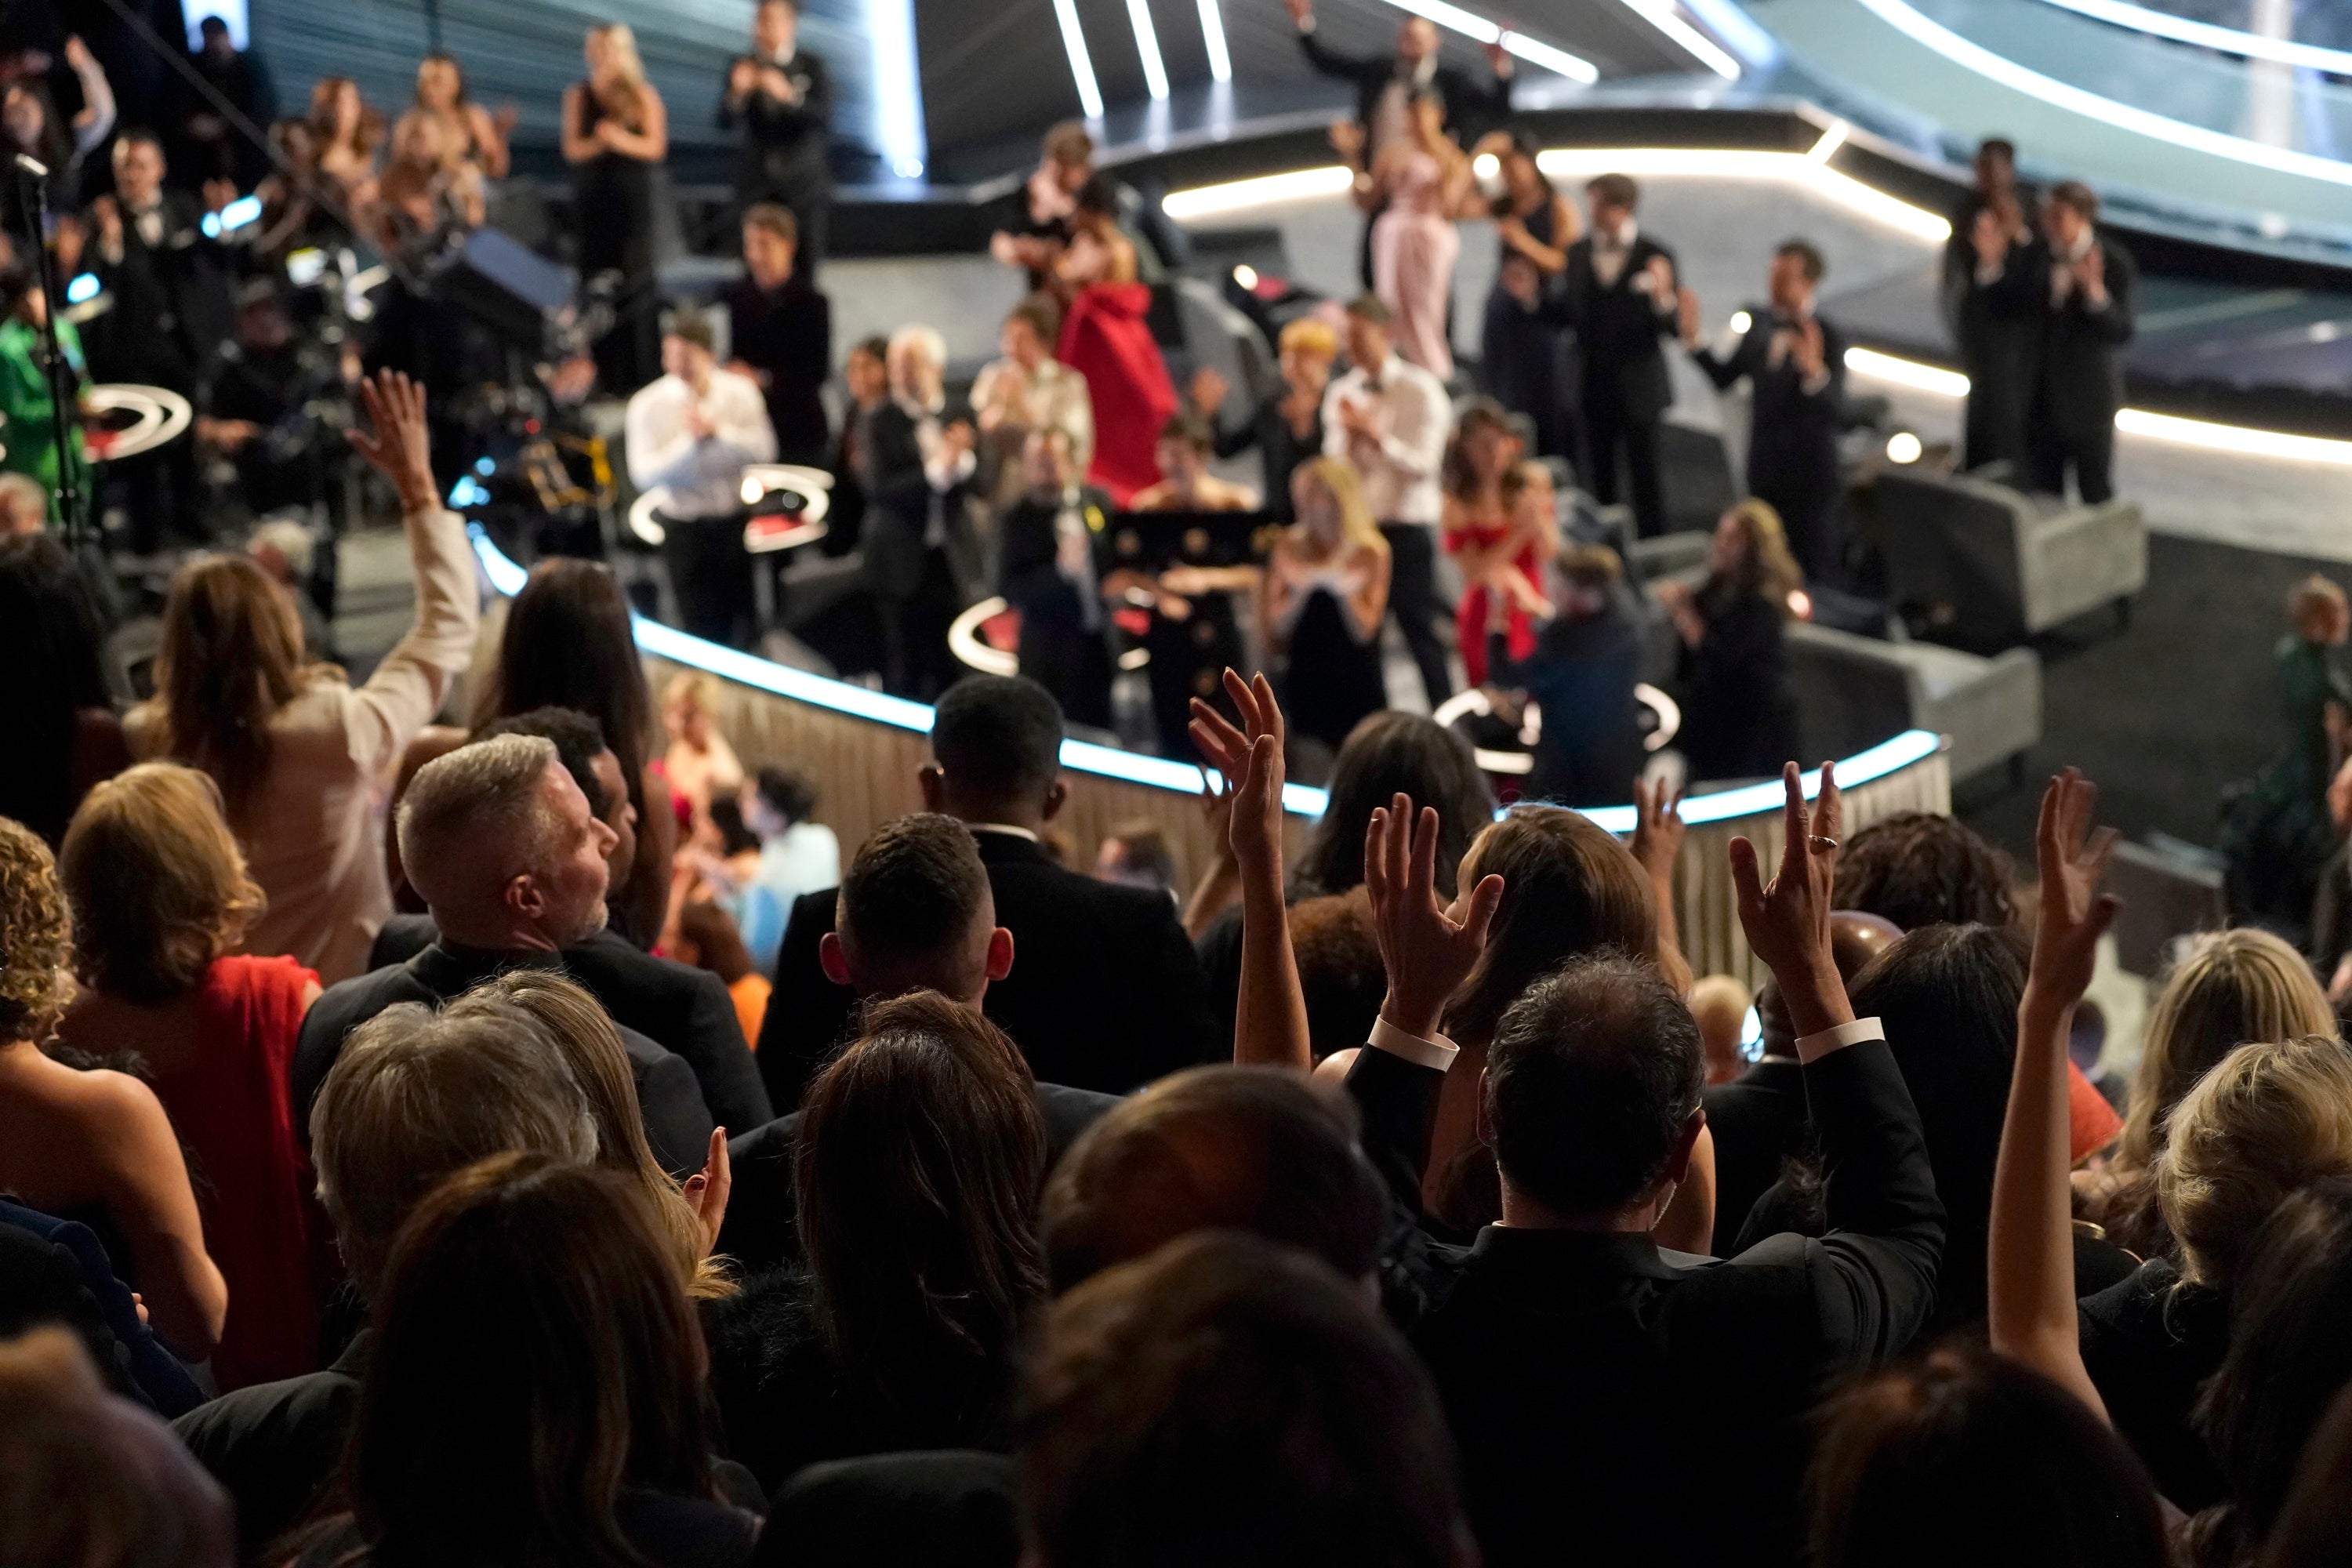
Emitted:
<point x="1427" y="948"/>
<point x="1788" y="922"/>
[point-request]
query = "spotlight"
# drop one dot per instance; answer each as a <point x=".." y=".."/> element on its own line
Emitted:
<point x="1246" y="276"/>
<point x="1903" y="447"/>
<point x="1485" y="165"/>
<point x="1740" y="321"/>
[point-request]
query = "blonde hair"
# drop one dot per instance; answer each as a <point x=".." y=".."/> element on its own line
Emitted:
<point x="578" y="1025"/>
<point x="158" y="885"/>
<point x="2232" y="987"/>
<point x="1338" y="479"/>
<point x="1308" y="335"/>
<point x="35" y="937"/>
<point x="231" y="659"/>
<point x="621" y="51"/>
<point x="2273" y="1117"/>
<point x="695" y="686"/>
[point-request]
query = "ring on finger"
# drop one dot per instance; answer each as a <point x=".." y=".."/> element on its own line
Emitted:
<point x="1820" y="844"/>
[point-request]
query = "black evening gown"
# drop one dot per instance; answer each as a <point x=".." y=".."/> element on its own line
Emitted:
<point x="1334" y="681"/>
<point x="612" y="197"/>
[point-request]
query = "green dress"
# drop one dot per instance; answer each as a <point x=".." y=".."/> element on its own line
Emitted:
<point x="30" y="437"/>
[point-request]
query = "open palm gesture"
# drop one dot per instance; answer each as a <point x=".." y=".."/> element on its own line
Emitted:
<point x="2075" y="912"/>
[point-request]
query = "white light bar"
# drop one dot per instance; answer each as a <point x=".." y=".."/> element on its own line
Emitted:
<point x="1240" y="195"/>
<point x="1906" y="372"/>
<point x="1147" y="45"/>
<point x="898" y="93"/>
<point x="2206" y="36"/>
<point x="1661" y="14"/>
<point x="1477" y="29"/>
<point x="1082" y="65"/>
<point x="2112" y="112"/>
<point x="1212" y="37"/>
<point x="2237" y="438"/>
<point x="1831" y="140"/>
<point x="1718" y="162"/>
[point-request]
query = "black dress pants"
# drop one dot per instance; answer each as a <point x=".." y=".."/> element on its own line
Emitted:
<point x="1414" y="602"/>
<point x="1607" y="431"/>
<point x="916" y="662"/>
<point x="2089" y="451"/>
<point x="711" y="574"/>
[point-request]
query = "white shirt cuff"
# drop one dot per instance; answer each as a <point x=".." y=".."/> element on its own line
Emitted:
<point x="1811" y="1048"/>
<point x="1436" y="1052"/>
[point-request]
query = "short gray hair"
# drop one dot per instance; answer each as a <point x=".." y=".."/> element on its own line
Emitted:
<point x="477" y="814"/>
<point x="415" y="1096"/>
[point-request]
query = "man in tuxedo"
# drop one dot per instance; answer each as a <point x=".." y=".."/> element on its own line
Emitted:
<point x="171" y="313"/>
<point x="1991" y="315"/>
<point x="779" y="334"/>
<point x="782" y="96"/>
<point x="1619" y="293"/>
<point x="915" y="913"/>
<point x="1106" y="993"/>
<point x="1056" y="553"/>
<point x="691" y="433"/>
<point x="922" y="554"/>
<point x="1794" y="364"/>
<point x="1654" y="1405"/>
<point x="2083" y="283"/>
<point x="1386" y="84"/>
<point x="511" y="862"/>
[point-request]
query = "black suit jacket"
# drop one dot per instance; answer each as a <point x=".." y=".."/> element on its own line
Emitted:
<point x="1472" y="107"/>
<point x="1757" y="1120"/>
<point x="1026" y="574"/>
<point x="274" y="1447"/>
<point x="787" y="337"/>
<point x="1639" y="1404"/>
<point x="761" y="1228"/>
<point x="1793" y="441"/>
<point x="171" y="311"/>
<point x="1105" y="992"/>
<point x="784" y="151"/>
<point x="685" y="1056"/>
<point x="944" y="1508"/>
<point x="898" y="509"/>
<point x="1620" y="330"/>
<point x="2079" y="377"/>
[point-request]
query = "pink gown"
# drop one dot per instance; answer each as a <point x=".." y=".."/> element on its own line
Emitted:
<point x="1414" y="245"/>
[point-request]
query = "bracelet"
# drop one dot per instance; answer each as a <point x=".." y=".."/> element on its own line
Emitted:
<point x="1811" y="1048"/>
<point x="1437" y="1051"/>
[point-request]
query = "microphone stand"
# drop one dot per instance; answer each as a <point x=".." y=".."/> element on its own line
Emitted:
<point x="32" y="194"/>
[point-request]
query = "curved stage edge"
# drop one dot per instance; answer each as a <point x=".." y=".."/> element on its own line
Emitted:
<point x="862" y="750"/>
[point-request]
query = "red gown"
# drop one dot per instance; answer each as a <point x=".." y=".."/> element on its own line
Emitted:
<point x="1108" y="339"/>
<point x="1472" y="621"/>
<point x="232" y="1106"/>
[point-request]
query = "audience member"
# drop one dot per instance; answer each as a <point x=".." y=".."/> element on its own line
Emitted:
<point x="24" y="506"/>
<point x="1229" y="1400"/>
<point x="2315" y="1527"/>
<point x="213" y="148"/>
<point x="1986" y="263"/>
<point x="297" y="752"/>
<point x="471" y="134"/>
<point x="1739" y="716"/>
<point x="568" y="643"/>
<point x="690" y="436"/>
<point x="287" y="551"/>
<point x="2280" y="833"/>
<point x="56" y="1271"/>
<point x="88" y="1479"/>
<point x="64" y="733"/>
<point x="162" y="902"/>
<point x="345" y="131"/>
<point x="708" y="939"/>
<point x="1109" y="995"/>
<point x="1330" y="579"/>
<point x="1287" y="428"/>
<point x="411" y="1099"/>
<point x="1579" y="674"/>
<point x="1794" y="364"/>
<point x="779" y="330"/>
<point x="1719" y="1005"/>
<point x="782" y="93"/>
<point x="1388" y="419"/>
<point x="701" y="765"/>
<point x="1106" y="339"/>
<point x="1026" y="391"/>
<point x="1138" y="855"/>
<point x="1498" y="570"/>
<point x="616" y="137"/>
<point x="33" y="127"/>
<point x="1415" y="186"/>
<point x="797" y="856"/>
<point x="1186" y="484"/>
<point x="1920" y="869"/>
<point x="919" y="1156"/>
<point x="27" y="399"/>
<point x="533" y="1390"/>
<point x="1619" y="295"/>
<point x="93" y="1145"/>
<point x="1055" y="563"/>
<point x="2084" y="285"/>
<point x="920" y="551"/>
<point x="1523" y="357"/>
<point x="510" y="861"/>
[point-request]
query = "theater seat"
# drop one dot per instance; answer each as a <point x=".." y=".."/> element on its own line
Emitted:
<point x="1854" y="691"/>
<point x="1990" y="567"/>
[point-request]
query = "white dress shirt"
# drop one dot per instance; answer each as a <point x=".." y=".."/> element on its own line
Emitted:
<point x="703" y="475"/>
<point x="1412" y="416"/>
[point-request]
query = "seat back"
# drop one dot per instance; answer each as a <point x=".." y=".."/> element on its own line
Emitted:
<point x="1852" y="691"/>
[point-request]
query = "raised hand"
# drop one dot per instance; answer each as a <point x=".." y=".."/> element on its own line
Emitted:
<point x="1301" y="11"/>
<point x="2074" y="912"/>
<point x="1251" y="758"/>
<point x="706" y="1190"/>
<point x="1990" y="236"/>
<point x="1427" y="948"/>
<point x="1810" y="360"/>
<point x="1687" y="310"/>
<point x="1208" y="391"/>
<point x="1348" y="140"/>
<point x="1788" y="922"/>
<point x="1657" y="828"/>
<point x="399" y="444"/>
<point x="2091" y="273"/>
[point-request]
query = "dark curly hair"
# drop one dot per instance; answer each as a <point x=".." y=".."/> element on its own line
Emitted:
<point x="1917" y="869"/>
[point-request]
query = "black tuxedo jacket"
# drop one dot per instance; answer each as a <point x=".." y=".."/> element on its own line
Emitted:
<point x="1472" y="107"/>
<point x="171" y="311"/>
<point x="684" y="1014"/>
<point x="1598" y="1385"/>
<point x="1619" y="331"/>
<point x="1757" y="1120"/>
<point x="898" y="509"/>
<point x="2079" y="377"/>
<point x="1793" y="441"/>
<point x="783" y="150"/>
<point x="1027" y="575"/>
<point x="1105" y="992"/>
<point x="761" y="1229"/>
<point x="944" y="1508"/>
<point x="787" y="337"/>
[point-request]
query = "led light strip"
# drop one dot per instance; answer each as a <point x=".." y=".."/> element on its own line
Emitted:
<point x="1212" y="37"/>
<point x="1661" y="14"/>
<point x="1082" y="65"/>
<point x="2049" y="90"/>
<point x="1476" y="28"/>
<point x="2206" y="36"/>
<point x="898" y="95"/>
<point x="1147" y="47"/>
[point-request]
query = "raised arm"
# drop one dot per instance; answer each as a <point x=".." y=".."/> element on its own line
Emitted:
<point x="1658" y="845"/>
<point x="2030" y="1262"/>
<point x="1270" y="1022"/>
<point x="650" y="145"/>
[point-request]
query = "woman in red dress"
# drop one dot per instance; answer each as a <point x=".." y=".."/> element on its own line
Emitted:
<point x="160" y="895"/>
<point x="1107" y="337"/>
<point x="1500" y="531"/>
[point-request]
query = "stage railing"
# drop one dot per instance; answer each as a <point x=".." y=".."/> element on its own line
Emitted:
<point x="863" y="750"/>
